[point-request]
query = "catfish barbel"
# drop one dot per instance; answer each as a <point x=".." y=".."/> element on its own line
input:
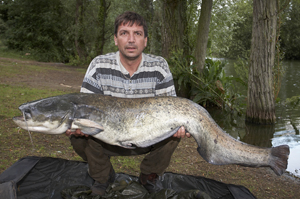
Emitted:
<point x="142" y="122"/>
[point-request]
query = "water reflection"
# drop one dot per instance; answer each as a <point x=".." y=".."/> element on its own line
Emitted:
<point x="259" y="135"/>
<point x="287" y="127"/>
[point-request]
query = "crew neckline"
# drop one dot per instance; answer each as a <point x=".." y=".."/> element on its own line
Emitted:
<point x="123" y="69"/>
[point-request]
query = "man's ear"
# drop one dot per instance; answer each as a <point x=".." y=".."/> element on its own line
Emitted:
<point x="145" y="43"/>
<point x="115" y="38"/>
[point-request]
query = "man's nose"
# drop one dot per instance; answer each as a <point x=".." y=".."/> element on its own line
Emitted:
<point x="131" y="37"/>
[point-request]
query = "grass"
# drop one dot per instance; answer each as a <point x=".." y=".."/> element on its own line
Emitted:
<point x="13" y="96"/>
<point x="11" y="69"/>
<point x="8" y="53"/>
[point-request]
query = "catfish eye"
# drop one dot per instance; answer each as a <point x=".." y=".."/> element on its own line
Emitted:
<point x="27" y="113"/>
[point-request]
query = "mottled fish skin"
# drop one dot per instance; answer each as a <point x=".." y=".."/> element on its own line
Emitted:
<point x="142" y="122"/>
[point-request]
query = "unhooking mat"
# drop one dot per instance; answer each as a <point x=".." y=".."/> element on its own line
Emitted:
<point x="44" y="177"/>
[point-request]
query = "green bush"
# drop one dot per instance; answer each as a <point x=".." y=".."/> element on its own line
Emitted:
<point x="210" y="87"/>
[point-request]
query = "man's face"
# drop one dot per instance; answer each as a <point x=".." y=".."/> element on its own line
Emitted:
<point x="131" y="41"/>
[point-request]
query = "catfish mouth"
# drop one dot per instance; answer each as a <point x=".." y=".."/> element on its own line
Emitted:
<point x="26" y="122"/>
<point x="19" y="118"/>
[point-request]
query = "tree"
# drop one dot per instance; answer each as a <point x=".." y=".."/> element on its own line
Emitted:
<point x="202" y="35"/>
<point x="4" y="16"/>
<point x="102" y="16"/>
<point x="291" y="31"/>
<point x="174" y="27"/>
<point x="240" y="43"/>
<point x="80" y="45"/>
<point x="37" y="27"/>
<point x="88" y="30"/>
<point x="148" y="12"/>
<point x="260" y="101"/>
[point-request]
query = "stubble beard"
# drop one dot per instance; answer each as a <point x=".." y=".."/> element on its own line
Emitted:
<point x="128" y="57"/>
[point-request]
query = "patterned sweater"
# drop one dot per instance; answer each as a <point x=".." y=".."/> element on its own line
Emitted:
<point x="108" y="76"/>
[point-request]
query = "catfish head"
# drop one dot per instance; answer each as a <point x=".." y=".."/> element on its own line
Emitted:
<point x="52" y="115"/>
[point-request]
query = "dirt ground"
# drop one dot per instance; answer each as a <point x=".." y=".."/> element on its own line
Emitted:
<point x="65" y="78"/>
<point x="262" y="182"/>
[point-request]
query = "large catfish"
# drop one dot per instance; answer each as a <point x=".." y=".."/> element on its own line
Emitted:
<point x="142" y="122"/>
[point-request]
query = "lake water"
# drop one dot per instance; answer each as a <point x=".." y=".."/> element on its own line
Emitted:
<point x="287" y="126"/>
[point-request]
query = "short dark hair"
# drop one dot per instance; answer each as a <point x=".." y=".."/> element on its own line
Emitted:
<point x="131" y="18"/>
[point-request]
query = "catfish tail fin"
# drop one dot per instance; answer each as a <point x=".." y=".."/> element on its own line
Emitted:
<point x="280" y="155"/>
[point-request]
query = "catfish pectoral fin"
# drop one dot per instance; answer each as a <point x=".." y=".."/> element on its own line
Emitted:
<point x="279" y="158"/>
<point x="87" y="126"/>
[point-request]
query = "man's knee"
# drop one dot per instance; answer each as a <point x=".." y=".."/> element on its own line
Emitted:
<point x="79" y="145"/>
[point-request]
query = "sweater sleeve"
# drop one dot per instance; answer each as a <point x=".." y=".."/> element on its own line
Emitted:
<point x="166" y="86"/>
<point x="90" y="83"/>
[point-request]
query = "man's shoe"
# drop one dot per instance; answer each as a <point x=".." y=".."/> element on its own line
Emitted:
<point x="150" y="182"/>
<point x="100" y="188"/>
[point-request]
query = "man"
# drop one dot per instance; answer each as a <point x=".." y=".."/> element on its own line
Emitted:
<point x="128" y="73"/>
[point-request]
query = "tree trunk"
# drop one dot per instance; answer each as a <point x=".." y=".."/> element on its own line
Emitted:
<point x="202" y="33"/>
<point x="148" y="13"/>
<point x="174" y="27"/>
<point x="261" y="105"/>
<point x="102" y="15"/>
<point x="79" y="32"/>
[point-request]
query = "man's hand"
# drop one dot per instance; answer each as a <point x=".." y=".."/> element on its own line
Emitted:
<point x="181" y="133"/>
<point x="76" y="133"/>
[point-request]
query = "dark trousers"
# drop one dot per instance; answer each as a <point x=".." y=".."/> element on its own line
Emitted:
<point x="97" y="154"/>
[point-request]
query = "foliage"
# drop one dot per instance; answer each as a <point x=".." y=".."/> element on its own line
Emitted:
<point x="278" y="69"/>
<point x="59" y="30"/>
<point x="181" y="69"/>
<point x="36" y="27"/>
<point x="290" y="31"/>
<point x="193" y="14"/>
<point x="293" y="101"/>
<point x="11" y="53"/>
<point x="48" y="29"/>
<point x="230" y="29"/>
<point x="242" y="30"/>
<point x="241" y="69"/>
<point x="3" y="27"/>
<point x="211" y="87"/>
<point x="88" y="30"/>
